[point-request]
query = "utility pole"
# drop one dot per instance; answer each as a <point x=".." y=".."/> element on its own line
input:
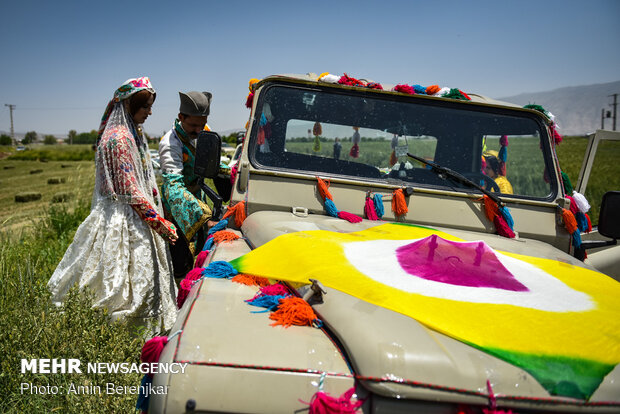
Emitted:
<point x="615" y="106"/>
<point x="603" y="118"/>
<point x="11" y="107"/>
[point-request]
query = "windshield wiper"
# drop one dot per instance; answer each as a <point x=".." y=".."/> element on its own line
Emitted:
<point x="444" y="172"/>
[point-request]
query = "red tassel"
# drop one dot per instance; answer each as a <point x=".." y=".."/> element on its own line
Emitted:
<point x="355" y="151"/>
<point x="249" y="99"/>
<point x="404" y="89"/>
<point x="393" y="159"/>
<point x="399" y="205"/>
<point x="589" y="224"/>
<point x="184" y="287"/>
<point x="502" y="227"/>
<point x="200" y="259"/>
<point x="194" y="274"/>
<point x="350" y="217"/>
<point x="323" y="403"/>
<point x="151" y="351"/>
<point x="369" y="209"/>
<point x="573" y="205"/>
<point x="465" y="95"/>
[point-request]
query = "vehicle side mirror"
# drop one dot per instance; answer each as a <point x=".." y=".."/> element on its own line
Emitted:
<point x="208" y="150"/>
<point x="609" y="217"/>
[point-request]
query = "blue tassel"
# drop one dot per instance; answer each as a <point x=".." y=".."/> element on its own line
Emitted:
<point x="577" y="239"/>
<point x="263" y="120"/>
<point x="330" y="207"/>
<point x="419" y="89"/>
<point x="219" y="270"/>
<point x="508" y="217"/>
<point x="270" y="302"/>
<point x="208" y="244"/>
<point x="503" y="154"/>
<point x="582" y="221"/>
<point x="378" y="200"/>
<point x="143" y="398"/>
<point x="221" y="225"/>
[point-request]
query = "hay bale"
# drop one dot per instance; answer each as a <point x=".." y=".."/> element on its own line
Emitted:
<point x="9" y="167"/>
<point x="66" y="165"/>
<point x="37" y="171"/>
<point x="61" y="197"/>
<point x="27" y="196"/>
<point x="56" y="180"/>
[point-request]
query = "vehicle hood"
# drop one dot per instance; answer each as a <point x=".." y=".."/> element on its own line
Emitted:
<point x="396" y="356"/>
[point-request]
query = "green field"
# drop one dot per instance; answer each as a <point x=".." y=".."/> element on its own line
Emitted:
<point x="36" y="234"/>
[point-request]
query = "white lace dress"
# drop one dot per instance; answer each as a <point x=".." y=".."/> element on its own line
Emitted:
<point x="117" y="251"/>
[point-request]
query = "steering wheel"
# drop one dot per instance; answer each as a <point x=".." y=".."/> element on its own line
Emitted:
<point x="489" y="183"/>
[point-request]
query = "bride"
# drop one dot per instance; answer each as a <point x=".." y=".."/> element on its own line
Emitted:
<point x="120" y="250"/>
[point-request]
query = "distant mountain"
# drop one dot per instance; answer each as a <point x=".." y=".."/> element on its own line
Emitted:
<point x="577" y="109"/>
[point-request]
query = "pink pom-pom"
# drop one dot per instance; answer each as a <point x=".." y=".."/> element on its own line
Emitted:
<point x="404" y="89"/>
<point x="194" y="274"/>
<point x="200" y="259"/>
<point x="277" y="289"/>
<point x="502" y="227"/>
<point x="323" y="403"/>
<point x="503" y="141"/>
<point x="351" y="218"/>
<point x="556" y="135"/>
<point x="573" y="205"/>
<point x="184" y="287"/>
<point x="151" y="351"/>
<point x="369" y="209"/>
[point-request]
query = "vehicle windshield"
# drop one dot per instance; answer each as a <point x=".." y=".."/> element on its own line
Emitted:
<point x="329" y="132"/>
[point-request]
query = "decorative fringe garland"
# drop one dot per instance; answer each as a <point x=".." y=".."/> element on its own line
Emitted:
<point x="330" y="207"/>
<point x="399" y="204"/>
<point x="348" y="80"/>
<point x="557" y="138"/>
<point x="250" y="280"/>
<point x="269" y="296"/>
<point x="238" y="210"/>
<point x="323" y="403"/>
<point x="295" y="311"/>
<point x="218" y="270"/>
<point x="499" y="216"/>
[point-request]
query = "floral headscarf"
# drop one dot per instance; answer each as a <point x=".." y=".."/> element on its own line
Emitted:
<point x="127" y="89"/>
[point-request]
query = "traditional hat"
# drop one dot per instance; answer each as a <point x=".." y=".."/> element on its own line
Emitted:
<point x="195" y="103"/>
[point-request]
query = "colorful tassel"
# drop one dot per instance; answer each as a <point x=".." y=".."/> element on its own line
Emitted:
<point x="568" y="186"/>
<point x="404" y="89"/>
<point x="502" y="227"/>
<point x="347" y="80"/>
<point x="219" y="270"/>
<point x="249" y="100"/>
<point x="582" y="222"/>
<point x="323" y="403"/>
<point x="250" y="280"/>
<point x="355" y="151"/>
<point x="323" y="187"/>
<point x="194" y="274"/>
<point x="393" y="158"/>
<point x="200" y="259"/>
<point x="269" y="302"/>
<point x="238" y="212"/>
<point x="330" y="208"/>
<point x="184" y="287"/>
<point x="491" y="209"/>
<point x="221" y="225"/>
<point x="208" y="244"/>
<point x="433" y="89"/>
<point x="505" y="212"/>
<point x="582" y="203"/>
<point x="369" y="209"/>
<point x="419" y="89"/>
<point x="399" y="204"/>
<point x="589" y="224"/>
<point x="317" y="144"/>
<point x="143" y="398"/>
<point x="455" y="93"/>
<point x="378" y="201"/>
<point x="350" y="217"/>
<point x="572" y="205"/>
<point x="151" y="351"/>
<point x="294" y="311"/>
<point x="275" y="289"/>
<point x="374" y="85"/>
<point x="224" y="236"/>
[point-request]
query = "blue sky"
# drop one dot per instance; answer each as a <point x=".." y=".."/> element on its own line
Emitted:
<point x="62" y="60"/>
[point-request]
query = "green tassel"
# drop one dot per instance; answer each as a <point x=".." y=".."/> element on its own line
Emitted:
<point x="568" y="187"/>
